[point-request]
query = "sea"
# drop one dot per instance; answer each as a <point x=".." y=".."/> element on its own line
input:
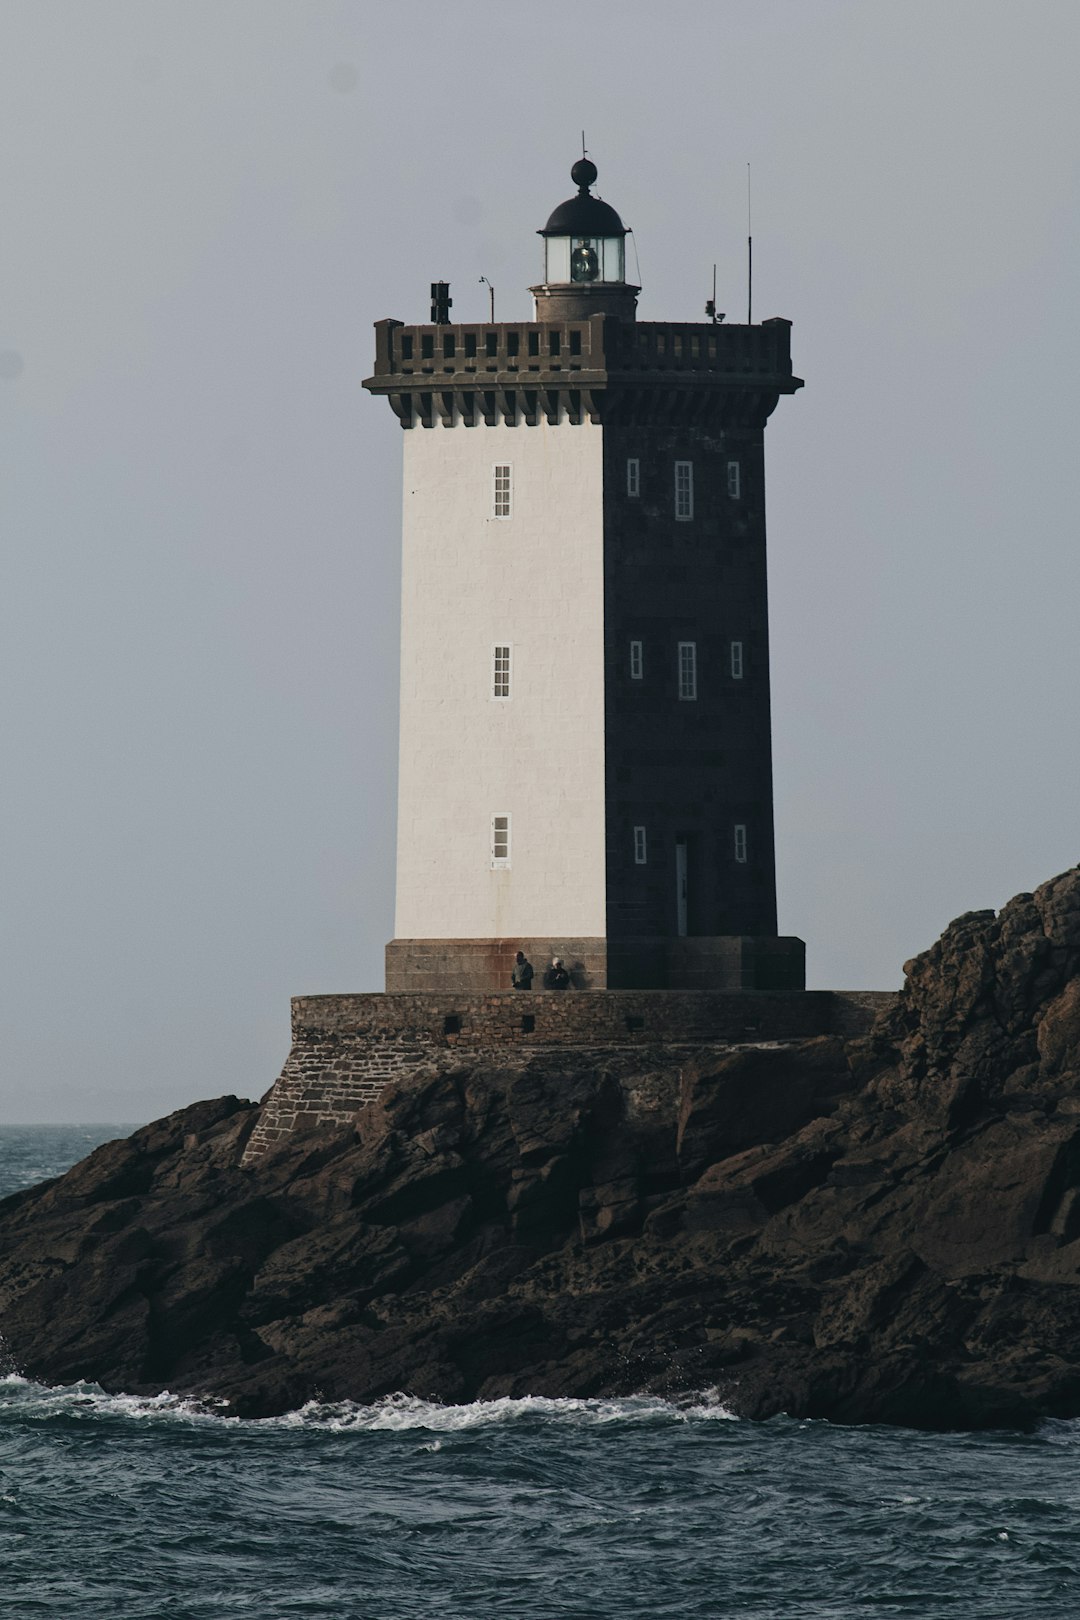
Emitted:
<point x="114" y="1507"/>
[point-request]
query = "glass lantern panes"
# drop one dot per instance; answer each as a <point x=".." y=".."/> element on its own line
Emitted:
<point x="584" y="259"/>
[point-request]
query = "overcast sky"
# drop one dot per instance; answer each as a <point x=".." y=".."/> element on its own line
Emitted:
<point x="206" y="204"/>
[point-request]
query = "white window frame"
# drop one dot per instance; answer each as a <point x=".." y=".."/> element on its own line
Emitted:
<point x="684" y="491"/>
<point x="687" y="671"/>
<point x="641" y="847"/>
<point x="506" y="648"/>
<point x="502" y="490"/>
<point x="734" y="480"/>
<point x="737" y="662"/>
<point x="740" y="843"/>
<point x="633" y="477"/>
<point x="500" y="841"/>
<point x="637" y="661"/>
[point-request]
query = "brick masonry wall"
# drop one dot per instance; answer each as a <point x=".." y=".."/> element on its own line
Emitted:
<point x="345" y="1049"/>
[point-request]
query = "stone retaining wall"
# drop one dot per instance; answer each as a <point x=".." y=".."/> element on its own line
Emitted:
<point x="345" y="1049"/>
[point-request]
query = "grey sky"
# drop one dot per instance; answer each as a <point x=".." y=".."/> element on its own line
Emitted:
<point x="206" y="203"/>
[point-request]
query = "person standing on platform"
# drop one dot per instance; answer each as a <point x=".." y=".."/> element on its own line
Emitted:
<point x="557" y="976"/>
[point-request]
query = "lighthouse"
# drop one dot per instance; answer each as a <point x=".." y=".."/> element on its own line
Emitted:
<point x="585" y="751"/>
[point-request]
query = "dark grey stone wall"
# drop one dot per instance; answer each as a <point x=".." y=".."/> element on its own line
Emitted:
<point x="345" y="1049"/>
<point x="475" y="966"/>
<point x="687" y="770"/>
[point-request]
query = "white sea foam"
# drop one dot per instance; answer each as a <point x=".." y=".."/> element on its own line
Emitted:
<point x="86" y="1400"/>
<point x="393" y="1413"/>
<point x="403" y="1412"/>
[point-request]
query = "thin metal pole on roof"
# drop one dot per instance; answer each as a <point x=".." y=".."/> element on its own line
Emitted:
<point x="749" y="256"/>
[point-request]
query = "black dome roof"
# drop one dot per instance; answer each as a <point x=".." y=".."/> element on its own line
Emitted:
<point x="584" y="215"/>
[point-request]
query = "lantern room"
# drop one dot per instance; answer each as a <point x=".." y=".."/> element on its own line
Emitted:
<point x="584" y="256"/>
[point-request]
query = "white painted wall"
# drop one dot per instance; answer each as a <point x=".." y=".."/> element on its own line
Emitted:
<point x="534" y="580"/>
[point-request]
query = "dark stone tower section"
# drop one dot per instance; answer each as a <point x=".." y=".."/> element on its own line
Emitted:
<point x="691" y="878"/>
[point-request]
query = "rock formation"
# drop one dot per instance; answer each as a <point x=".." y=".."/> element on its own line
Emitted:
<point x="882" y="1230"/>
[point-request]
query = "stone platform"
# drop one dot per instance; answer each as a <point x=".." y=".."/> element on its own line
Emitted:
<point x="345" y="1049"/>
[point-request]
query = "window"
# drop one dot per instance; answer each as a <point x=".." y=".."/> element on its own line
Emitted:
<point x="500" y="493"/>
<point x="734" y="480"/>
<point x="500" y="672"/>
<point x="736" y="661"/>
<point x="740" y="843"/>
<point x="500" y="840"/>
<point x="687" y="671"/>
<point x="637" y="662"/>
<point x="684" y="490"/>
<point x="633" y="476"/>
<point x="641" y="854"/>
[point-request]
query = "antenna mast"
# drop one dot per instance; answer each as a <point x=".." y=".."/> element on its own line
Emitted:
<point x="749" y="256"/>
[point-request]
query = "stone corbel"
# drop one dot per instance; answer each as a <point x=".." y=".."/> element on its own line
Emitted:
<point x="402" y="407"/>
<point x="465" y="401"/>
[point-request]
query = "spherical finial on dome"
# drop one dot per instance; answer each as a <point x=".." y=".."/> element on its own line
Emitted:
<point x="583" y="173"/>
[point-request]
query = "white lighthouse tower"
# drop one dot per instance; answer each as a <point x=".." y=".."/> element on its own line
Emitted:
<point x="585" y="757"/>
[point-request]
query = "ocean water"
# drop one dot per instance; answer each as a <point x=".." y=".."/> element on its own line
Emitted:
<point x="116" y="1508"/>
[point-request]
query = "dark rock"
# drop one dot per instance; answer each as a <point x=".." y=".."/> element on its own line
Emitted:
<point x="880" y="1230"/>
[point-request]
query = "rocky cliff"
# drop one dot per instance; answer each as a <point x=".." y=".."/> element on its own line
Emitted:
<point x="882" y="1230"/>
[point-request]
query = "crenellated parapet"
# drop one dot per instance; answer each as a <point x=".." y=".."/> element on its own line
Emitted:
<point x="599" y="368"/>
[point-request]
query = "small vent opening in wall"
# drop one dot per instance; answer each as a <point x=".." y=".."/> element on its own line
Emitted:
<point x="633" y="1022"/>
<point x="451" y="1024"/>
<point x="528" y="1023"/>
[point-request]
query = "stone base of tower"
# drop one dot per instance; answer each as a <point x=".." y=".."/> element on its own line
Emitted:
<point x="724" y="962"/>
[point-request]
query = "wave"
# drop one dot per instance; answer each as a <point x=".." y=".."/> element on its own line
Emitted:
<point x="402" y="1412"/>
<point x="22" y="1398"/>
